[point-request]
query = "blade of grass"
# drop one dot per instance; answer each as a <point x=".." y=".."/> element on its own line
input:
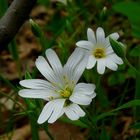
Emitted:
<point x="137" y="92"/>
<point x="6" y="81"/>
<point x="14" y="52"/>
<point x="129" y="104"/>
<point x="15" y="101"/>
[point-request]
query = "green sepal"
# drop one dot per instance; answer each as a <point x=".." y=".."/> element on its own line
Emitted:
<point x="118" y="47"/>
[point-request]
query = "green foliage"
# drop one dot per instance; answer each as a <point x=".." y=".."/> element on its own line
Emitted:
<point x="104" y="134"/>
<point x="129" y="104"/>
<point x="136" y="125"/>
<point x="116" y="78"/>
<point x="3" y="7"/>
<point x="76" y="123"/>
<point x="43" y="2"/>
<point x="66" y="26"/>
<point x="131" y="10"/>
<point x="135" y="52"/>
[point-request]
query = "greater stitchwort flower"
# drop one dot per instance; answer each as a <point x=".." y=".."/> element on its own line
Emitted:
<point x="100" y="50"/>
<point x="60" y="89"/>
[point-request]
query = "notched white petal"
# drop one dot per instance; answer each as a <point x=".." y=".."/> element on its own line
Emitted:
<point x="57" y="110"/>
<point x="81" y="100"/>
<point x="83" y="88"/>
<point x="71" y="114"/>
<point x="36" y="84"/>
<point x="46" y="112"/>
<point x="45" y="69"/>
<point x="91" y="36"/>
<point x="101" y="66"/>
<point x="51" y="111"/>
<point x="114" y="36"/>
<point x="54" y="60"/>
<point x="39" y="94"/>
<point x="115" y="59"/>
<point x="91" y="62"/>
<point x="77" y="109"/>
<point x="111" y="65"/>
<point x="85" y="44"/>
<point x="100" y="34"/>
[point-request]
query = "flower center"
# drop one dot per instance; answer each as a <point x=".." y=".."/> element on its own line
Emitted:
<point x="66" y="92"/>
<point x="99" y="52"/>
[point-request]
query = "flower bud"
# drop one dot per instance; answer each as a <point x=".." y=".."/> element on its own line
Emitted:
<point x="35" y="28"/>
<point x="103" y="13"/>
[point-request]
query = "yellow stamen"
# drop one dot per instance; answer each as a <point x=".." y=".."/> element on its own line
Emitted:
<point x="65" y="93"/>
<point x="99" y="52"/>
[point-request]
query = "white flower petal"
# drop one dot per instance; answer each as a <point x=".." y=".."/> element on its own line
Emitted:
<point x="76" y="64"/>
<point x="57" y="112"/>
<point x="39" y="94"/>
<point x="114" y="36"/>
<point x="109" y="50"/>
<point x="49" y="109"/>
<point x="100" y="34"/>
<point x="101" y="66"/>
<point x="83" y="88"/>
<point x="80" y="99"/>
<point x="45" y="69"/>
<point x="115" y="59"/>
<point x="111" y="65"/>
<point x="70" y="113"/>
<point x="54" y="62"/>
<point x="36" y="84"/>
<point x="91" y="36"/>
<point x="85" y="44"/>
<point x="77" y="109"/>
<point x="91" y="62"/>
<point x="46" y="112"/>
<point x="79" y="69"/>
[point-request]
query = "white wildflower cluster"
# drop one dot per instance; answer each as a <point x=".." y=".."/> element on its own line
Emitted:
<point x="61" y="90"/>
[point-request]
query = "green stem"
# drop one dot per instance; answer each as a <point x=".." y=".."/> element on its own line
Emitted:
<point x="34" y="128"/>
<point x="32" y="118"/>
<point x="91" y="124"/>
<point x="45" y="126"/>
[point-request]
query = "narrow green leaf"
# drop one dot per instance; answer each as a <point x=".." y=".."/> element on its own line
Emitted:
<point x="28" y="75"/>
<point x="129" y="10"/>
<point x="132" y="103"/>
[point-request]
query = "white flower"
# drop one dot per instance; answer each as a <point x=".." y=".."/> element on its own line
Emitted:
<point x="100" y="50"/>
<point x="60" y="89"/>
<point x="63" y="1"/>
